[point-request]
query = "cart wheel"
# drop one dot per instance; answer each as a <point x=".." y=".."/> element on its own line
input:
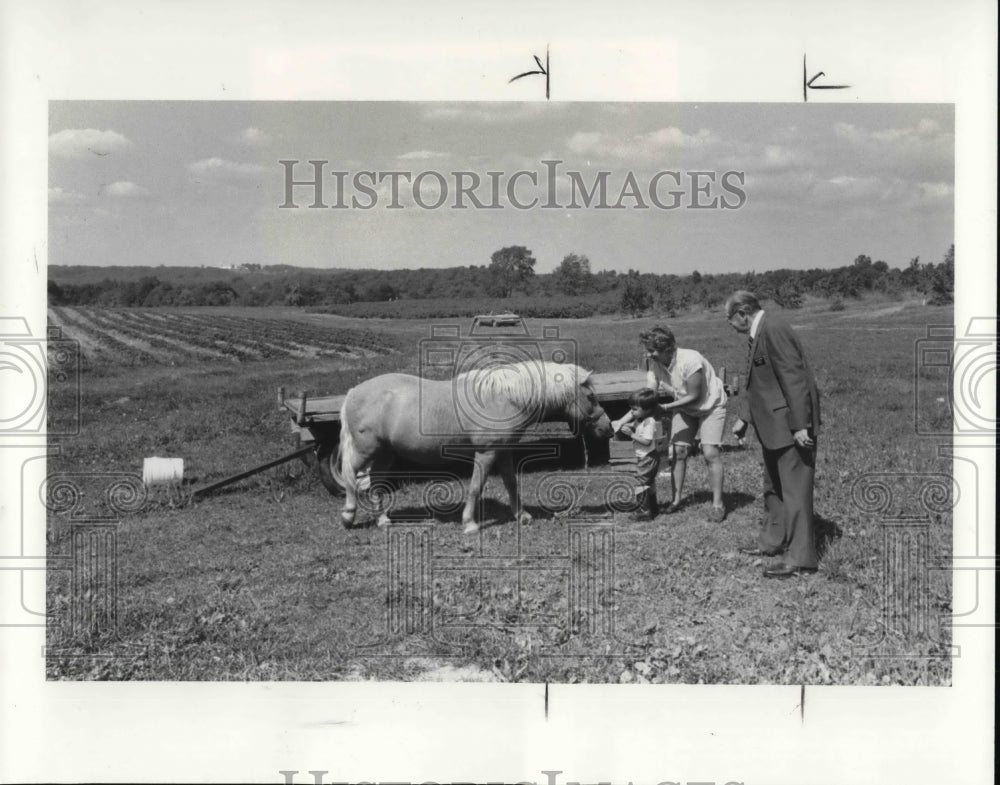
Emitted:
<point x="329" y="471"/>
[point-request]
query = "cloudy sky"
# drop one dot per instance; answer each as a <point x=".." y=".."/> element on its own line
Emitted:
<point x="199" y="183"/>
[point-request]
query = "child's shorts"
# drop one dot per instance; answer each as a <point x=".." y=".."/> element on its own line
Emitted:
<point x="646" y="469"/>
<point x="708" y="429"/>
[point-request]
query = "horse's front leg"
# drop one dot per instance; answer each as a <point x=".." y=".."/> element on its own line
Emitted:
<point x="481" y="468"/>
<point x="505" y="465"/>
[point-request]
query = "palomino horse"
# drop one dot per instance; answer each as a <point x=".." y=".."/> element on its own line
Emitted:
<point x="484" y="410"/>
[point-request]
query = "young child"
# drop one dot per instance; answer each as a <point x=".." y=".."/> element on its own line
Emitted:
<point x="697" y="413"/>
<point x="642" y="430"/>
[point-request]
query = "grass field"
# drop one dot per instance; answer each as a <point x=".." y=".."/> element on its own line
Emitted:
<point x="259" y="581"/>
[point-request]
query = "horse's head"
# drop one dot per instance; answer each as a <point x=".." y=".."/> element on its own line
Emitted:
<point x="586" y="414"/>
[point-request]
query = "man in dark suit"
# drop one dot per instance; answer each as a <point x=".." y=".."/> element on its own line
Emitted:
<point x="780" y="399"/>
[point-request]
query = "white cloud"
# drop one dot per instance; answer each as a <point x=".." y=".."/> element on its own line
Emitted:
<point x="421" y="155"/>
<point x="253" y="137"/>
<point x="584" y="141"/>
<point x="221" y="167"/>
<point x="778" y="157"/>
<point x="924" y="131"/>
<point x="81" y="142"/>
<point x="928" y="127"/>
<point x="639" y="145"/>
<point x="936" y="191"/>
<point x="918" y="151"/>
<point x="891" y="135"/>
<point x="847" y="131"/>
<point x="499" y="112"/>
<point x="855" y="185"/>
<point x="58" y="195"/>
<point x="124" y="189"/>
<point x="787" y="133"/>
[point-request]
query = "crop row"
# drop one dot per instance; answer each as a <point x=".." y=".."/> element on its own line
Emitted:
<point x="189" y="330"/>
<point x="161" y="349"/>
<point x="109" y="347"/>
<point x="140" y="337"/>
<point x="261" y="333"/>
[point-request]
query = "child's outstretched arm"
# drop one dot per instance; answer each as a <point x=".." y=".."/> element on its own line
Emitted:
<point x="616" y="425"/>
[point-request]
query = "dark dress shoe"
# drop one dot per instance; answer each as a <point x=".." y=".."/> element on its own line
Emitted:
<point x="753" y="551"/>
<point x="787" y="571"/>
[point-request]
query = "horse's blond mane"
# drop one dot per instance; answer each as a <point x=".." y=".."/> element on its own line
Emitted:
<point x="527" y="384"/>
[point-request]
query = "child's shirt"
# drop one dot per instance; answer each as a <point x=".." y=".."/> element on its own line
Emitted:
<point x="645" y="429"/>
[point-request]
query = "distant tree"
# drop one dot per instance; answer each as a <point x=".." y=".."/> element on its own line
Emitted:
<point x="910" y="277"/>
<point x="162" y="294"/>
<point x="713" y="299"/>
<point x="380" y="291"/>
<point x="55" y="292"/>
<point x="218" y="293"/>
<point x="788" y="294"/>
<point x="572" y="276"/>
<point x="890" y="284"/>
<point x="665" y="302"/>
<point x="510" y="268"/>
<point x="941" y="289"/>
<point x="189" y="295"/>
<point x="636" y="296"/>
<point x="142" y="289"/>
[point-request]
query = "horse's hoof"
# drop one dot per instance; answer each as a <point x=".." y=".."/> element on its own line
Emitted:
<point x="525" y="519"/>
<point x="383" y="521"/>
<point x="470" y="528"/>
<point x="347" y="522"/>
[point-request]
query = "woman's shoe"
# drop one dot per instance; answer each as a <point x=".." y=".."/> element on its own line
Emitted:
<point x="717" y="514"/>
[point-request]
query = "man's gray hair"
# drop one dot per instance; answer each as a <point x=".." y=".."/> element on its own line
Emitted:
<point x="742" y="301"/>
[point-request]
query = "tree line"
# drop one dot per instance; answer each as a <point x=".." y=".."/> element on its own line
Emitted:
<point x="510" y="276"/>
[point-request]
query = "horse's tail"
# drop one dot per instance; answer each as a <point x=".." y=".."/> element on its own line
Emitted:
<point x="347" y="463"/>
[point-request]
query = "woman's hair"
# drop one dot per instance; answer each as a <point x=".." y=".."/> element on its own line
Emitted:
<point x="659" y="338"/>
<point x="644" y="399"/>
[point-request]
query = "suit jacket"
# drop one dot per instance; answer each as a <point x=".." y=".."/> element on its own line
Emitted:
<point x="780" y="395"/>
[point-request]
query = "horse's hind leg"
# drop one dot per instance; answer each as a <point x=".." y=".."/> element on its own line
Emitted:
<point x="505" y="465"/>
<point x="480" y="471"/>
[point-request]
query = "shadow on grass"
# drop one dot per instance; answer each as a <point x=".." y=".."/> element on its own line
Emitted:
<point x="826" y="532"/>
<point x="493" y="512"/>
<point x="733" y="501"/>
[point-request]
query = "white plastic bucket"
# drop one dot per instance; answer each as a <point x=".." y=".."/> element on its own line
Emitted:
<point x="162" y="471"/>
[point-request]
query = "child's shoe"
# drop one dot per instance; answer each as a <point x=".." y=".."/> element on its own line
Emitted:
<point x="648" y="507"/>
